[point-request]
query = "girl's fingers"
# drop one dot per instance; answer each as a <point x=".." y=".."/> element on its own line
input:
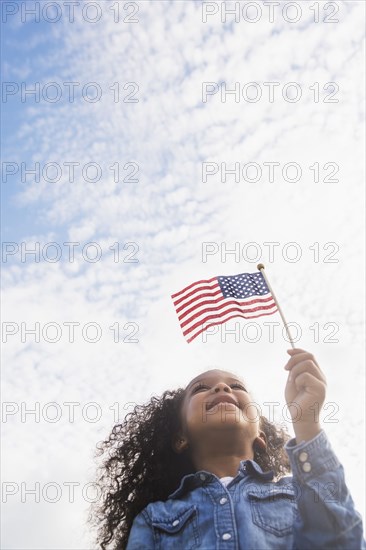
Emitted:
<point x="293" y="351"/>
<point x="298" y="357"/>
<point x="310" y="383"/>
<point x="306" y="366"/>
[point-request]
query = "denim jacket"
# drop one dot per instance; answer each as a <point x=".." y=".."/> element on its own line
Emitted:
<point x="312" y="509"/>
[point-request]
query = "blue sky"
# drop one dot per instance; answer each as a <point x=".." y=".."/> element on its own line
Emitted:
<point x="16" y="221"/>
<point x="169" y="214"/>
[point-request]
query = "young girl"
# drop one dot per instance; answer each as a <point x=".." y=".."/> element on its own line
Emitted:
<point x="200" y="468"/>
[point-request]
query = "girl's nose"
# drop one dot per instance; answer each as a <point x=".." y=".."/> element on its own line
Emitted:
<point x="221" y="386"/>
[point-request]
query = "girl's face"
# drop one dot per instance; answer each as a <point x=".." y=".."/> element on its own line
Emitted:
<point x="217" y="402"/>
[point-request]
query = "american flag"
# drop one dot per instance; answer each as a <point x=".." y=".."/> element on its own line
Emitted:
<point x="215" y="301"/>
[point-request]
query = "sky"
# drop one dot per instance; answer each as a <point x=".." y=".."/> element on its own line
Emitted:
<point x="141" y="113"/>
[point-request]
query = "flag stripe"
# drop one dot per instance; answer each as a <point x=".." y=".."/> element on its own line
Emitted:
<point x="198" y="289"/>
<point x="221" y="305"/>
<point x="194" y="284"/>
<point x="200" y="304"/>
<point x="224" y="321"/>
<point x="205" y="295"/>
<point x="218" y="315"/>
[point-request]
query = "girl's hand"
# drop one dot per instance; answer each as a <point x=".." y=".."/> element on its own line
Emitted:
<point x="304" y="393"/>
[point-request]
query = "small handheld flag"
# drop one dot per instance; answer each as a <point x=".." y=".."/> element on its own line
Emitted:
<point x="217" y="300"/>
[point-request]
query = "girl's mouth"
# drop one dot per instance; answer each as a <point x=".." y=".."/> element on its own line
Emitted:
<point x="221" y="399"/>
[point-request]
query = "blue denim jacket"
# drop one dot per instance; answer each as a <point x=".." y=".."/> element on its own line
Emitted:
<point x="312" y="509"/>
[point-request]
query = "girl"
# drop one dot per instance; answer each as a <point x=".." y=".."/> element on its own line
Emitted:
<point x="200" y="468"/>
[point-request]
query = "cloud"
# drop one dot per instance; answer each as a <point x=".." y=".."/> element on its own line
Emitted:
<point x="168" y="215"/>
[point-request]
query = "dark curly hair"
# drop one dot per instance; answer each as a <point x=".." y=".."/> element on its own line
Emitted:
<point x="140" y="465"/>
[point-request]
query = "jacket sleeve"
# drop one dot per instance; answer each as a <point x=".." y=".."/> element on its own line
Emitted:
<point x="141" y="536"/>
<point x="326" y="514"/>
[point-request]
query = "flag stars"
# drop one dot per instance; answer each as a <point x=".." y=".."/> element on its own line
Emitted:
<point x="243" y="286"/>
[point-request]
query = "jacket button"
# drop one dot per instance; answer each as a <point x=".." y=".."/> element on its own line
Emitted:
<point x="203" y="477"/>
<point x="226" y="536"/>
<point x="306" y="466"/>
<point x="303" y="456"/>
<point x="175" y="522"/>
<point x="223" y="500"/>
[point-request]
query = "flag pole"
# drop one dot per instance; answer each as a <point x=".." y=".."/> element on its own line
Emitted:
<point x="261" y="269"/>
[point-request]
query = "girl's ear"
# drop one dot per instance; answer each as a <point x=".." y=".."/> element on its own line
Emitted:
<point x="260" y="441"/>
<point x="179" y="444"/>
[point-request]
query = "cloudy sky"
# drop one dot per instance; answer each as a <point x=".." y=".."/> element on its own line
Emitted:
<point x="118" y="173"/>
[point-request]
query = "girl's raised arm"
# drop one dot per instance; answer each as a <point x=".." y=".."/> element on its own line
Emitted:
<point x="327" y="517"/>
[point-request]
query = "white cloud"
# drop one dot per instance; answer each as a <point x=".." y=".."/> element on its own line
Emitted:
<point x="169" y="213"/>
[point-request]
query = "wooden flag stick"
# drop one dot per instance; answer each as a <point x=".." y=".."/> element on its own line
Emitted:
<point x="261" y="269"/>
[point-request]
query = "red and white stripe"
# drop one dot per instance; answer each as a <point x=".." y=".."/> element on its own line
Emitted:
<point x="202" y="304"/>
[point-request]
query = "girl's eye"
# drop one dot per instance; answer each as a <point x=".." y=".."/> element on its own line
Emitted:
<point x="240" y="386"/>
<point x="199" y="387"/>
<point x="204" y="386"/>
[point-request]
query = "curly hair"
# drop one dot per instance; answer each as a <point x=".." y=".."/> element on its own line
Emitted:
<point x="140" y="465"/>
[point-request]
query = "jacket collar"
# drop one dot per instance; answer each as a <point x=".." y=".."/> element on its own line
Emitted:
<point x="246" y="467"/>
